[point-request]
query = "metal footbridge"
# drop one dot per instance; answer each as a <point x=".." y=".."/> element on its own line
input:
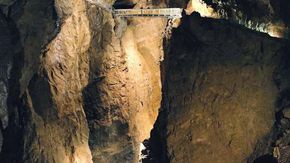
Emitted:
<point x="170" y="13"/>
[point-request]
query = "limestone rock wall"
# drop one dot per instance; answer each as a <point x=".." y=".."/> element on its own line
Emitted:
<point x="54" y="93"/>
<point x="123" y="96"/>
<point x="85" y="86"/>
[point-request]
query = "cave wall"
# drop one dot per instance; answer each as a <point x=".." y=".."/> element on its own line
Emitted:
<point x="6" y="57"/>
<point x="123" y="96"/>
<point x="82" y="89"/>
<point x="265" y="16"/>
<point x="80" y="85"/>
<point x="54" y="93"/>
<point x="219" y="93"/>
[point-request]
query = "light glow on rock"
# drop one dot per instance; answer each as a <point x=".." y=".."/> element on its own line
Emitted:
<point x="278" y="30"/>
<point x="202" y="8"/>
<point x="141" y="156"/>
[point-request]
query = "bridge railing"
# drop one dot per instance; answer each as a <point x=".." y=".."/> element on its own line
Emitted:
<point x="165" y="12"/>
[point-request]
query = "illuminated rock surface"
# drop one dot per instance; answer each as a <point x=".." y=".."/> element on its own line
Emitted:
<point x="84" y="88"/>
<point x="267" y="16"/>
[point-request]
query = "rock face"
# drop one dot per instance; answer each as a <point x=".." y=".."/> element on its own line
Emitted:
<point x="47" y="123"/>
<point x="123" y="96"/>
<point x="219" y="97"/>
<point x="6" y="59"/>
<point x="53" y="97"/>
<point x="267" y="16"/>
<point x="83" y="89"/>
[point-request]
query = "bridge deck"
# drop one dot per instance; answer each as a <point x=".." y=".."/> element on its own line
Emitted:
<point x="164" y="12"/>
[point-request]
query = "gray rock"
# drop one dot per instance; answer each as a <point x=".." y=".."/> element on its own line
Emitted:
<point x="6" y="2"/>
<point x="1" y="140"/>
<point x="286" y="113"/>
<point x="3" y="105"/>
<point x="121" y="26"/>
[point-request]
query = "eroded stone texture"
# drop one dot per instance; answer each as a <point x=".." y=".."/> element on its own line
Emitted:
<point x="54" y="94"/>
<point x="122" y="98"/>
<point x="34" y="35"/>
<point x="48" y="122"/>
<point x="105" y="99"/>
<point x="219" y="92"/>
<point x="32" y="25"/>
<point x="142" y="44"/>
<point x="86" y="88"/>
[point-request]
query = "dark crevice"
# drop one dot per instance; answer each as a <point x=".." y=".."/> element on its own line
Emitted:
<point x="278" y="137"/>
<point x="124" y="4"/>
<point x="12" y="135"/>
<point x="266" y="159"/>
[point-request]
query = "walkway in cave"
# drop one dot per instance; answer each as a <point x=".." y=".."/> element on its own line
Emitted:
<point x="170" y="13"/>
<point x="125" y="9"/>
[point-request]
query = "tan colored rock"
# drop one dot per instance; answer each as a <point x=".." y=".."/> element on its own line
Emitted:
<point x="142" y="44"/>
<point x="124" y="92"/>
<point x="54" y="96"/>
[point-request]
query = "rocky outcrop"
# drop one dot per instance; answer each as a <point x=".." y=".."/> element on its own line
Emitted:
<point x="123" y="96"/>
<point x="85" y="86"/>
<point x="47" y="122"/>
<point x="220" y="97"/>
<point x="267" y="16"/>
